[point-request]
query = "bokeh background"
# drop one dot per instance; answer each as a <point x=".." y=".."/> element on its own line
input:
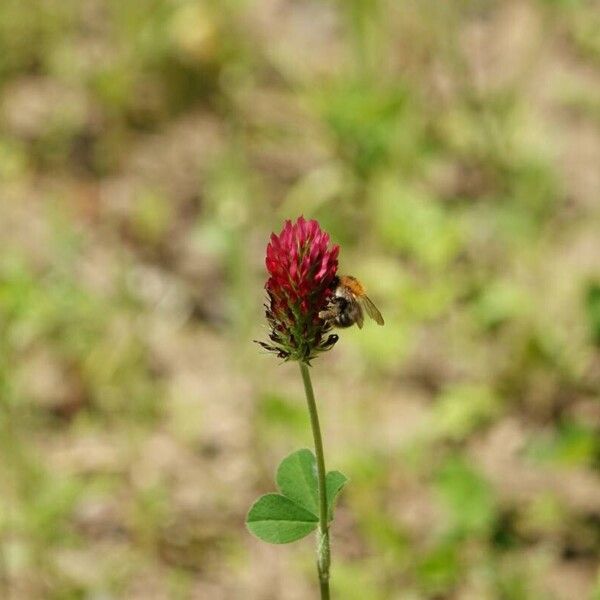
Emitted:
<point x="147" y="151"/>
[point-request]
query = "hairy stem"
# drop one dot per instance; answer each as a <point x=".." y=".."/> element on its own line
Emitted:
<point x="323" y="551"/>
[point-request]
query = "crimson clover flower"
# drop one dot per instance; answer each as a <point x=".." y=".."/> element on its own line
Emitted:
<point x="302" y="271"/>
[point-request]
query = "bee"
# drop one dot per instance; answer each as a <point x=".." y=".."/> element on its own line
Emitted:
<point x="346" y="306"/>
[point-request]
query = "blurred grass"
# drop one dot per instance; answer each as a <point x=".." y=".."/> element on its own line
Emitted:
<point x="147" y="150"/>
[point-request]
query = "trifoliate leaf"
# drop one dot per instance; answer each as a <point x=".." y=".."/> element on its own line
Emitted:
<point x="289" y="516"/>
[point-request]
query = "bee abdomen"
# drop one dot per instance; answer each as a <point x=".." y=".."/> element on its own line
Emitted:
<point x="344" y="320"/>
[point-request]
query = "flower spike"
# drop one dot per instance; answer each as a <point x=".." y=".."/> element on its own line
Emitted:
<point x="302" y="271"/>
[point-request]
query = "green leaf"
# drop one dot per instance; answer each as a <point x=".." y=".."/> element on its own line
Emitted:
<point x="278" y="520"/>
<point x="334" y="482"/>
<point x="297" y="479"/>
<point x="289" y="516"/>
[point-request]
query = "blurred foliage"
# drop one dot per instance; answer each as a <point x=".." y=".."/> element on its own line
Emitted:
<point x="147" y="150"/>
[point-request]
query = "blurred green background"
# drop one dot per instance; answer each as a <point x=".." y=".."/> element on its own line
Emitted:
<point x="147" y="151"/>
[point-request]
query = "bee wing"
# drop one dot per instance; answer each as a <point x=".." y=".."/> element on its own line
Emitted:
<point x="360" y="318"/>
<point x="372" y="310"/>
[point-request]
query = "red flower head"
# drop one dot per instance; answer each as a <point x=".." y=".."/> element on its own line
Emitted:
<point x="302" y="269"/>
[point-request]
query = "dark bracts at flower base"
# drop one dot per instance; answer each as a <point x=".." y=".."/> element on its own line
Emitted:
<point x="302" y="268"/>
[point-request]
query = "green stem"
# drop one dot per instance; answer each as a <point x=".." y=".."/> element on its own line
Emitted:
<point x="323" y="552"/>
